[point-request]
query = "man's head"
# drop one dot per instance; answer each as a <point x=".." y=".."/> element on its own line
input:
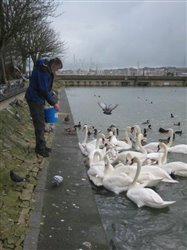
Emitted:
<point x="55" y="64"/>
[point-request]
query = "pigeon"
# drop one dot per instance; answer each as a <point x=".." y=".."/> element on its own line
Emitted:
<point x="107" y="109"/>
<point x="15" y="177"/>
<point x="56" y="180"/>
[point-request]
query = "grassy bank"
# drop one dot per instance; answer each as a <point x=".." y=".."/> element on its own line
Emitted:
<point x="17" y="142"/>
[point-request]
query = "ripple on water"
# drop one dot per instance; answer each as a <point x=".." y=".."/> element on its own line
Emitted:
<point x="128" y="227"/>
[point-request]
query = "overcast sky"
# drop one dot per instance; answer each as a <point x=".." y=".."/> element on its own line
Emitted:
<point x="119" y="34"/>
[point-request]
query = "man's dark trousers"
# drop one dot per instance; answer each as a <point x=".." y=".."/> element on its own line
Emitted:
<point x="38" y="118"/>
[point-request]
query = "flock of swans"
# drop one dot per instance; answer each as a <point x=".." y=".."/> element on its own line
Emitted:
<point x="129" y="166"/>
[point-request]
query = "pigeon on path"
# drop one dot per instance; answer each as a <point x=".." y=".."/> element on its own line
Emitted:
<point x="57" y="180"/>
<point x="15" y="177"/>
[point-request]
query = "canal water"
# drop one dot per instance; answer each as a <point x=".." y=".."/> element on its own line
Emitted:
<point x="128" y="227"/>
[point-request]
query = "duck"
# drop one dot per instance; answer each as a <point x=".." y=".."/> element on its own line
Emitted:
<point x="77" y="125"/>
<point x="67" y="118"/>
<point x="143" y="196"/>
<point x="107" y="109"/>
<point x="146" y="122"/>
<point x="162" y="130"/>
<point x="177" y="124"/>
<point x="178" y="132"/>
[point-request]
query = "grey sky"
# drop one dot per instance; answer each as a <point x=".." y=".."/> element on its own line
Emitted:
<point x="118" y="34"/>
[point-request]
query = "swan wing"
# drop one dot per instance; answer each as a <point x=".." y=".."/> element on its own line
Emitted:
<point x="147" y="197"/>
<point x="178" y="168"/>
<point x="83" y="149"/>
<point x="117" y="183"/>
<point x="151" y="147"/>
<point x="181" y="148"/>
<point x="152" y="199"/>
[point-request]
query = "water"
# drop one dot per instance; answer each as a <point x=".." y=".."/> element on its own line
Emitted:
<point x="126" y="226"/>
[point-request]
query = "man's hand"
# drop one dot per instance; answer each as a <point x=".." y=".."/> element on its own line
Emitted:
<point x="57" y="106"/>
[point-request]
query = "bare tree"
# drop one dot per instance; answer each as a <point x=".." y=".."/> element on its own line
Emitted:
<point x="16" y="15"/>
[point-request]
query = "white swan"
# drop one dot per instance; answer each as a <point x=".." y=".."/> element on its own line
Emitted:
<point x="152" y="146"/>
<point x="177" y="167"/>
<point x="96" y="169"/>
<point x="154" y="156"/>
<point x="137" y="130"/>
<point x="87" y="147"/>
<point x="97" y="148"/>
<point x="147" y="179"/>
<point x="119" y="143"/>
<point x="180" y="148"/>
<point x="151" y="171"/>
<point x="122" y="157"/>
<point x="115" y="180"/>
<point x="144" y="196"/>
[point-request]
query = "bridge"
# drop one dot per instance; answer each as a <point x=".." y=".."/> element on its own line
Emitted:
<point x="121" y="80"/>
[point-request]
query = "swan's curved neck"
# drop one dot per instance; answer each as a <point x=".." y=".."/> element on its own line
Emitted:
<point x="85" y="135"/>
<point x="108" y="167"/>
<point x="163" y="158"/>
<point x="139" y="144"/>
<point x="127" y="138"/>
<point x="98" y="142"/>
<point x="96" y="157"/>
<point x="170" y="139"/>
<point x="138" y="170"/>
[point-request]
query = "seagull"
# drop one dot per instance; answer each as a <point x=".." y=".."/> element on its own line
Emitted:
<point x="56" y="180"/>
<point x="107" y="109"/>
<point x="15" y="177"/>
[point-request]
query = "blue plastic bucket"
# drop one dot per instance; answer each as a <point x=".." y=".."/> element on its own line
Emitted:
<point x="51" y="115"/>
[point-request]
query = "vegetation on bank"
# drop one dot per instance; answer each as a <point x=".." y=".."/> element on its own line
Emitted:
<point x="17" y="143"/>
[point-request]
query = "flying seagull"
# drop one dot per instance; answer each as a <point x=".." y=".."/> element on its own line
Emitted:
<point x="107" y="109"/>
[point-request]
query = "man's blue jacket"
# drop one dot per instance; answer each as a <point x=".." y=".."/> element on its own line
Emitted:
<point x="40" y="84"/>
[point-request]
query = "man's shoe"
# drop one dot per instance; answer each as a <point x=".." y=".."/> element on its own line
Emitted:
<point x="49" y="150"/>
<point x="43" y="153"/>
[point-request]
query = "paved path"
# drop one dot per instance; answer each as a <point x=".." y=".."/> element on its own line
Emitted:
<point x="69" y="219"/>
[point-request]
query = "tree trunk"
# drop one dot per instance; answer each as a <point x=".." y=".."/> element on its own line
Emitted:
<point x="2" y="68"/>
